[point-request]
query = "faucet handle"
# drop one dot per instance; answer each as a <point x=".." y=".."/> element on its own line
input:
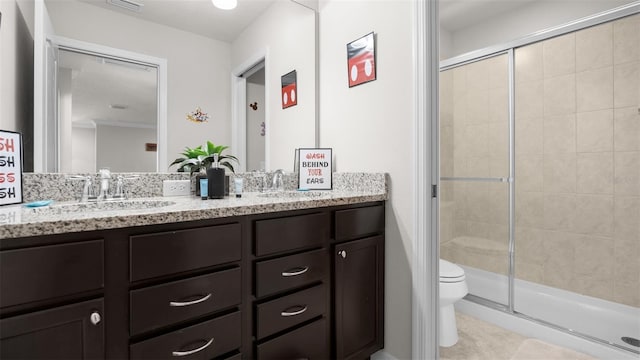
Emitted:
<point x="277" y="181"/>
<point x="88" y="191"/>
<point x="105" y="173"/>
<point x="121" y="192"/>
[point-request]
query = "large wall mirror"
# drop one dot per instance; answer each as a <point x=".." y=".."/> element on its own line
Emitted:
<point x="119" y="79"/>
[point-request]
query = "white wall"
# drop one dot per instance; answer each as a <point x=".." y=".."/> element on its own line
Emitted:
<point x="84" y="159"/>
<point x="370" y="129"/>
<point x="122" y="149"/>
<point x="525" y="20"/>
<point x="16" y="71"/>
<point x="290" y="46"/>
<point x="198" y="67"/>
<point x="255" y="141"/>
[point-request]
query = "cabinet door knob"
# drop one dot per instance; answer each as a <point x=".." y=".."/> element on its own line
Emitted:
<point x="343" y="254"/>
<point x="95" y="318"/>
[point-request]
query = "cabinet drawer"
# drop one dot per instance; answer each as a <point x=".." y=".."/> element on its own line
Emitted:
<point x="288" y="272"/>
<point x="165" y="304"/>
<point x="166" y="253"/>
<point x="282" y="313"/>
<point x="294" y="232"/>
<point x="205" y="340"/>
<point x="46" y="272"/>
<point x="308" y="342"/>
<point x="354" y="223"/>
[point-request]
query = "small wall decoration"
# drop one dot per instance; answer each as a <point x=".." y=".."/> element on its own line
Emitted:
<point x="254" y="105"/>
<point x="198" y="116"/>
<point x="151" y="147"/>
<point x="314" y="169"/>
<point x="361" y="60"/>
<point x="10" y="167"/>
<point x="289" y="89"/>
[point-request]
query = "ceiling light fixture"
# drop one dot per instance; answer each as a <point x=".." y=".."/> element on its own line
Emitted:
<point x="225" y="4"/>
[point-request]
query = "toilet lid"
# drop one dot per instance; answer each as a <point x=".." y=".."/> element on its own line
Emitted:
<point x="450" y="271"/>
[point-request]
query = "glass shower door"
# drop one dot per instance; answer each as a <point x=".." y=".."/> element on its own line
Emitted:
<point x="474" y="168"/>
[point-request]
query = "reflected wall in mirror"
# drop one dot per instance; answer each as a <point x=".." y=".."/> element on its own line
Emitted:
<point x="200" y="60"/>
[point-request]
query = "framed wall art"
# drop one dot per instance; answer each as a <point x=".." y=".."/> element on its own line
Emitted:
<point x="10" y="167"/>
<point x="361" y="60"/>
<point x="289" y="89"/>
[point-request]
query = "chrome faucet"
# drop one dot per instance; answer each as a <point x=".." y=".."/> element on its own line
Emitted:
<point x="105" y="176"/>
<point x="277" y="181"/>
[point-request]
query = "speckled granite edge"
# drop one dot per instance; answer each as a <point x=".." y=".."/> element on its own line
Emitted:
<point x="60" y="187"/>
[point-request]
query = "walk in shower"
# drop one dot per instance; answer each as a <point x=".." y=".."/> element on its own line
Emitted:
<point x="540" y="176"/>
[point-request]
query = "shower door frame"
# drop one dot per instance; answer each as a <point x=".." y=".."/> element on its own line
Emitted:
<point x="509" y="49"/>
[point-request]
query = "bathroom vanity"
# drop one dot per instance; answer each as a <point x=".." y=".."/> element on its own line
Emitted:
<point x="256" y="277"/>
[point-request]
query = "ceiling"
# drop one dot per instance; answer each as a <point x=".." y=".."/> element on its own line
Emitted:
<point x="458" y="14"/>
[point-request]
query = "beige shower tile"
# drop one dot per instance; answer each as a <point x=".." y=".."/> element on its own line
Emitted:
<point x="594" y="89"/>
<point x="478" y="202"/>
<point x="594" y="173"/>
<point x="478" y="106"/>
<point x="559" y="173"/>
<point x="560" y="134"/>
<point x="595" y="131"/>
<point x="460" y="109"/>
<point x="479" y="229"/>
<point x="459" y="81"/>
<point x="533" y="272"/>
<point x="529" y="135"/>
<point x="477" y="139"/>
<point x="626" y="39"/>
<point x="594" y="215"/>
<point x="559" y="263"/>
<point x="498" y="71"/>
<point x="627" y="293"/>
<point x="478" y="166"/>
<point x="478" y="75"/>
<point x="594" y="47"/>
<point x="590" y="286"/>
<point x="594" y="257"/>
<point x="529" y="209"/>
<point x="626" y="265"/>
<point x="529" y="172"/>
<point x="560" y="95"/>
<point x="499" y="105"/>
<point x="460" y="228"/>
<point x="529" y="243"/>
<point x="626" y="129"/>
<point x="499" y="206"/>
<point x="626" y="84"/>
<point x="627" y="173"/>
<point x="559" y="55"/>
<point x="528" y="63"/>
<point x="627" y="218"/>
<point x="559" y="211"/>
<point x="529" y="99"/>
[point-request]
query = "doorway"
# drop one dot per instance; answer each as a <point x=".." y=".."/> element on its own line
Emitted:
<point x="255" y="118"/>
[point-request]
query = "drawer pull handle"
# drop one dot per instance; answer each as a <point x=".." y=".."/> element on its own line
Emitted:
<point x="187" y="303"/>
<point x="185" y="353"/>
<point x="295" y="271"/>
<point x="293" y="313"/>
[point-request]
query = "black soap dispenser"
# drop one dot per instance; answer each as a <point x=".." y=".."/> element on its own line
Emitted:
<point x="215" y="180"/>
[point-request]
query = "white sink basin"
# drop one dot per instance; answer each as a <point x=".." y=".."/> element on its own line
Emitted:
<point x="93" y="206"/>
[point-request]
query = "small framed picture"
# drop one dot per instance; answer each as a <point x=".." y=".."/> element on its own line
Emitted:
<point x="314" y="169"/>
<point x="289" y="89"/>
<point x="361" y="60"/>
<point x="10" y="167"/>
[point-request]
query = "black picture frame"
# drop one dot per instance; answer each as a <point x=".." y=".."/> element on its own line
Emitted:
<point x="361" y="60"/>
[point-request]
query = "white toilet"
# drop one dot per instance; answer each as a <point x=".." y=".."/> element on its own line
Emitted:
<point x="453" y="287"/>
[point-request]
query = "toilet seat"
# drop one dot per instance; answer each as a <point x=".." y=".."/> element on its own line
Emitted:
<point x="450" y="272"/>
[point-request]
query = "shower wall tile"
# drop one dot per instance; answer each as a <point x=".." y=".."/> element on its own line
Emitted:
<point x="594" y="215"/>
<point x="560" y="134"/>
<point x="478" y="76"/>
<point x="529" y="172"/>
<point x="627" y="293"/>
<point x="530" y="244"/>
<point x="627" y="173"/>
<point x="594" y="173"/>
<point x="529" y="209"/>
<point x="477" y="140"/>
<point x="499" y="204"/>
<point x="528" y="63"/>
<point x="594" y="47"/>
<point x="594" y="89"/>
<point x="595" y="131"/>
<point x="627" y="218"/>
<point x="559" y="173"/>
<point x="478" y="202"/>
<point x="594" y="257"/>
<point x="626" y="39"/>
<point x="559" y="261"/>
<point x="559" y="56"/>
<point x="533" y="272"/>
<point x="499" y="104"/>
<point x="626" y="265"/>
<point x="529" y="132"/>
<point x="559" y="211"/>
<point x="587" y="285"/>
<point x="560" y="95"/>
<point x="459" y="81"/>
<point x="626" y="85"/>
<point x="626" y="136"/>
<point x="498" y="72"/>
<point x="479" y="166"/>
<point x="528" y="102"/>
<point x="478" y="106"/>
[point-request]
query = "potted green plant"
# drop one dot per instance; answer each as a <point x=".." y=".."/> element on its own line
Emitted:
<point x="197" y="160"/>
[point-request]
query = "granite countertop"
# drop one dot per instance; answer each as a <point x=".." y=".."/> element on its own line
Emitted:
<point x="20" y="221"/>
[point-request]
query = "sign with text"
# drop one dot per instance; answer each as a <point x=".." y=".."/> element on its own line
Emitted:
<point x="314" y="167"/>
<point x="10" y="168"/>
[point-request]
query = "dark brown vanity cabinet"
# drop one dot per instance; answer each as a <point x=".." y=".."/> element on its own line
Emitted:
<point x="358" y="282"/>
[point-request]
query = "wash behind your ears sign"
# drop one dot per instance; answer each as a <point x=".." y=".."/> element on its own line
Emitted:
<point x="314" y="169"/>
